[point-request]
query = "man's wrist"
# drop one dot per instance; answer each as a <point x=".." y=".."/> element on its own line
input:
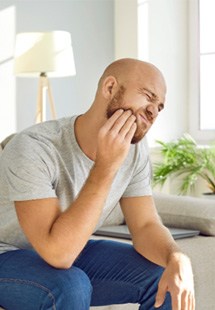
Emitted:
<point x="178" y="257"/>
<point x="101" y="175"/>
<point x="104" y="171"/>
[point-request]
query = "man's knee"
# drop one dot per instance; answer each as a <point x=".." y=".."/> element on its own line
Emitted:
<point x="33" y="284"/>
<point x="72" y="289"/>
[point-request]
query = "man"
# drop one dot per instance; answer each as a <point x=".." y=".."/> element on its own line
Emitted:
<point x="64" y="178"/>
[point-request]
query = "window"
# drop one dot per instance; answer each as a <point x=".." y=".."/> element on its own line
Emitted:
<point x="202" y="68"/>
<point x="207" y="64"/>
<point x="178" y="37"/>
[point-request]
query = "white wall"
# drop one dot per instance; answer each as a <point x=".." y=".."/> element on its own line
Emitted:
<point x="7" y="80"/>
<point x="168" y="50"/>
<point x="90" y="23"/>
<point x="125" y="18"/>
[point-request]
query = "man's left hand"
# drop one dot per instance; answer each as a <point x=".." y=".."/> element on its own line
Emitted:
<point x="177" y="279"/>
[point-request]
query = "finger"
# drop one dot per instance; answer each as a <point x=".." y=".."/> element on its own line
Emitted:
<point x="185" y="301"/>
<point x="121" y="122"/>
<point x="160" y="297"/>
<point x="127" y="125"/>
<point x="191" y="302"/>
<point x="176" y="302"/>
<point x="110" y="122"/>
<point x="131" y="132"/>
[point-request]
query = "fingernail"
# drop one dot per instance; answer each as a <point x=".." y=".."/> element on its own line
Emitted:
<point x="157" y="304"/>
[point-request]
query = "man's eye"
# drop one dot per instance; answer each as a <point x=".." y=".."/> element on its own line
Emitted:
<point x="148" y="97"/>
<point x="160" y="108"/>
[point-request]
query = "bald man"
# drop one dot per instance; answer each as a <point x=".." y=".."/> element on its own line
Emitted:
<point x="61" y="179"/>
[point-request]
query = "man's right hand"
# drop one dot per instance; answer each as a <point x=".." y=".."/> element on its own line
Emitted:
<point x="114" y="140"/>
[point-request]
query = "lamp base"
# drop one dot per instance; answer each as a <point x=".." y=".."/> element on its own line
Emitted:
<point x="44" y="90"/>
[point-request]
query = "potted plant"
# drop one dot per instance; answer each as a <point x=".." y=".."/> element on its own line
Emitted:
<point x="184" y="158"/>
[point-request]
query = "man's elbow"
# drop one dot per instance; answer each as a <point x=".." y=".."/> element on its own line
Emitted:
<point x="59" y="263"/>
<point x="59" y="260"/>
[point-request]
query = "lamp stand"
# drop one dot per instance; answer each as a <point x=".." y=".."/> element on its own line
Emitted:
<point x="44" y="90"/>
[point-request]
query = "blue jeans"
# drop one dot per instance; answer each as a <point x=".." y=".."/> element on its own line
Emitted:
<point x="105" y="273"/>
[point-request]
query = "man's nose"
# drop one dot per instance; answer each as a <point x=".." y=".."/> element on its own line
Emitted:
<point x="152" y="111"/>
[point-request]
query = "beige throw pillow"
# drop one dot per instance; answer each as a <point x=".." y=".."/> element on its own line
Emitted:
<point x="187" y="212"/>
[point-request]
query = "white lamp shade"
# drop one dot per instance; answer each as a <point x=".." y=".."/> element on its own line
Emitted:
<point x="44" y="52"/>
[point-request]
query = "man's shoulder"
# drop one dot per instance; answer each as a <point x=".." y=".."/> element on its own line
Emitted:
<point x="48" y="131"/>
<point x="51" y="127"/>
<point x="41" y="137"/>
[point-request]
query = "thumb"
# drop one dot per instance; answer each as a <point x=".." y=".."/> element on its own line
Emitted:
<point x="160" y="296"/>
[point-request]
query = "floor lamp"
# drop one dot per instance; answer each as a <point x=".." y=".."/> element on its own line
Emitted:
<point x="44" y="55"/>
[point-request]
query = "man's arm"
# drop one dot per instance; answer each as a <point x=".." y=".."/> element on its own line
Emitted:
<point x="59" y="236"/>
<point x="152" y="240"/>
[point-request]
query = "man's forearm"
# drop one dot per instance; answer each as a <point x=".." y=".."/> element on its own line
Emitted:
<point x="155" y="243"/>
<point x="72" y="229"/>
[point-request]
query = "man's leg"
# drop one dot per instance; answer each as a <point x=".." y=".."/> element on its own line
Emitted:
<point x="120" y="275"/>
<point x="29" y="283"/>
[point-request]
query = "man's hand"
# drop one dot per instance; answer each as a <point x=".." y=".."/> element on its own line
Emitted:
<point x="178" y="280"/>
<point x="114" y="139"/>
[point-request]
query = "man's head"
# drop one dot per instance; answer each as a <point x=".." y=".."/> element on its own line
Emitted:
<point x="135" y="85"/>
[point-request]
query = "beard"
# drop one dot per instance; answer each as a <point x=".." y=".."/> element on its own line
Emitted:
<point x="118" y="103"/>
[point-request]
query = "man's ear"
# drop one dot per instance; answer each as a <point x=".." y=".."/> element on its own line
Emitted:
<point x="109" y="87"/>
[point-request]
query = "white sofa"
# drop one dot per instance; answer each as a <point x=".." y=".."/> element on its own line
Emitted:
<point x="191" y="213"/>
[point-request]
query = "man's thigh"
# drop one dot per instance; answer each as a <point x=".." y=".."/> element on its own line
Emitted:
<point x="119" y="274"/>
<point x="28" y="282"/>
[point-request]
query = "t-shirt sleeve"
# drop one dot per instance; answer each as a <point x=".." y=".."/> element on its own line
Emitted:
<point x="140" y="183"/>
<point x="28" y="169"/>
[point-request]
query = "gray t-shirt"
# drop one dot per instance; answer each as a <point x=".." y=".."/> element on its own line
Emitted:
<point x="46" y="161"/>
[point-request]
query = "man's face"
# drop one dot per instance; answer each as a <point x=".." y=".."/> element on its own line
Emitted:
<point x="142" y="102"/>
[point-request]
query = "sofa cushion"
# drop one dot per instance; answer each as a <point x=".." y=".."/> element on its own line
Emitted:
<point x="178" y="211"/>
<point x="187" y="212"/>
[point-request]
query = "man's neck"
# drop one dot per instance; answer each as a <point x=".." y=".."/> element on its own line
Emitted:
<point x="87" y="127"/>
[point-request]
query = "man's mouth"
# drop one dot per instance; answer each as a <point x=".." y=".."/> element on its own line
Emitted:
<point x="144" y="118"/>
